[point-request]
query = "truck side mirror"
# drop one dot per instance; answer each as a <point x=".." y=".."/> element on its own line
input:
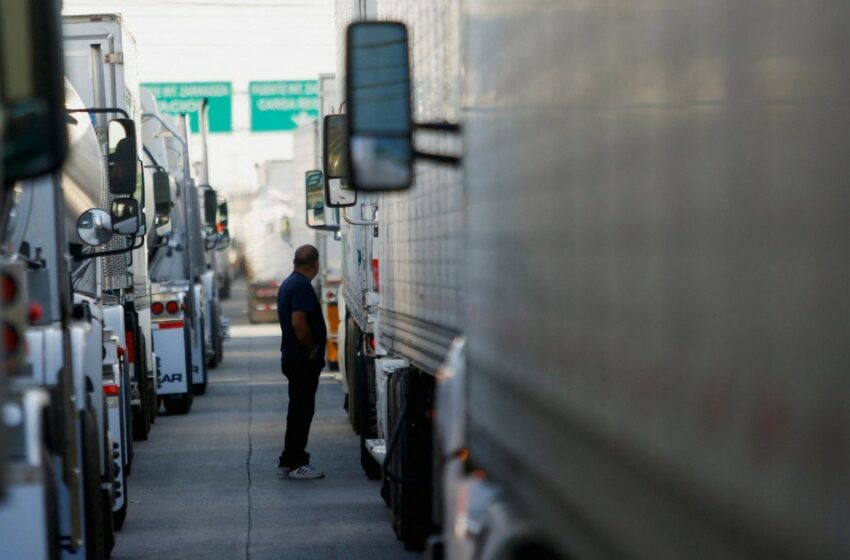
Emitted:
<point x="210" y="207"/>
<point x="94" y="227"/>
<point x="338" y="193"/>
<point x="122" y="157"/>
<point x="377" y="87"/>
<point x="32" y="89"/>
<point x="126" y="216"/>
<point x="162" y="226"/>
<point x="223" y="213"/>
<point x="314" y="185"/>
<point x="161" y="193"/>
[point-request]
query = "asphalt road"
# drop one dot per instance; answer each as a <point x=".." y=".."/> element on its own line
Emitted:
<point x="205" y="486"/>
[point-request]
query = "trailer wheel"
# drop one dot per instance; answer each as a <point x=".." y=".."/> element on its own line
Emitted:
<point x="107" y="495"/>
<point x="353" y="342"/>
<point x="178" y="405"/>
<point x="142" y="419"/>
<point x="118" y="517"/>
<point x="140" y="425"/>
<point x="368" y="417"/>
<point x="92" y="497"/>
<point x="201" y="388"/>
<point x="409" y="457"/>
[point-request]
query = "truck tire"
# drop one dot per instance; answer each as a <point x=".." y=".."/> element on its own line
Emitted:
<point x="108" y="478"/>
<point x="368" y="417"/>
<point x="353" y="343"/>
<point x="118" y="517"/>
<point x="178" y="405"/>
<point x="141" y="428"/>
<point x="147" y="386"/>
<point x="409" y="464"/>
<point x="218" y="339"/>
<point x="92" y="497"/>
<point x="49" y="477"/>
<point x="201" y="388"/>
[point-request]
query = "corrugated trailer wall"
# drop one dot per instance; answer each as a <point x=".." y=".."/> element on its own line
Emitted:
<point x="421" y="235"/>
<point x="658" y="243"/>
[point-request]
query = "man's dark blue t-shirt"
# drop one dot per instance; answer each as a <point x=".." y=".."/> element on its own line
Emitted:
<point x="297" y="294"/>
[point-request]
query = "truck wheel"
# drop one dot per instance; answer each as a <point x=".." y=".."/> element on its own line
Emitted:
<point x="92" y="498"/>
<point x="108" y="479"/>
<point x="410" y="462"/>
<point x="178" y="405"/>
<point x="118" y="517"/>
<point x="201" y="388"/>
<point x="153" y="399"/>
<point x="368" y="418"/>
<point x="140" y="424"/>
<point x="353" y="342"/>
<point x="146" y="386"/>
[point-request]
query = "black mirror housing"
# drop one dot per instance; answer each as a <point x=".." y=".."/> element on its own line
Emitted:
<point x="378" y="94"/>
<point x="223" y="212"/>
<point x="32" y="89"/>
<point x="161" y="193"/>
<point x="210" y="207"/>
<point x="123" y="157"/>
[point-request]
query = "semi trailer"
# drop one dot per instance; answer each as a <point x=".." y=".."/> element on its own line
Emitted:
<point x="634" y="221"/>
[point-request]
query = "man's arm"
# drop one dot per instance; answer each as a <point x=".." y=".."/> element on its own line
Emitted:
<point x="302" y="329"/>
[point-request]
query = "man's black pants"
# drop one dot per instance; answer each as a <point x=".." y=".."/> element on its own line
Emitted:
<point x="303" y="382"/>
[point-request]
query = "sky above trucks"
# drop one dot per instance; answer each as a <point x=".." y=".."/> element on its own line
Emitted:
<point x="227" y="40"/>
<point x="235" y="41"/>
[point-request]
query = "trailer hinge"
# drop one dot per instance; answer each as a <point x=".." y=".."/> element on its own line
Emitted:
<point x="114" y="58"/>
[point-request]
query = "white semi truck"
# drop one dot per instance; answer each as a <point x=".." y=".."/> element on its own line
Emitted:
<point x="100" y="58"/>
<point x="642" y="239"/>
<point x="60" y="490"/>
<point x="180" y="272"/>
<point x="403" y="286"/>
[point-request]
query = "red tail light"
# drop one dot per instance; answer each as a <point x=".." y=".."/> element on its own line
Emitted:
<point x="11" y="339"/>
<point x="8" y="289"/>
<point x="373" y="343"/>
<point x="157" y="308"/>
<point x="111" y="390"/>
<point x="131" y="346"/>
<point x="36" y="312"/>
<point x="172" y="307"/>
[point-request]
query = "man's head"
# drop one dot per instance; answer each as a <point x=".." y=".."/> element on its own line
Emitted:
<point x="306" y="261"/>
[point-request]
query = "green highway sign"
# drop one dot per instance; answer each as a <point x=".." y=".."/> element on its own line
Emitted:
<point x="177" y="98"/>
<point x="283" y="105"/>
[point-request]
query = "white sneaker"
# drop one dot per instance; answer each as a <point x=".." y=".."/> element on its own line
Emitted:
<point x="283" y="472"/>
<point x="304" y="472"/>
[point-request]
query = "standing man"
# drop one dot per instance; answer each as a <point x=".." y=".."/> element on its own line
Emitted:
<point x="302" y="359"/>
